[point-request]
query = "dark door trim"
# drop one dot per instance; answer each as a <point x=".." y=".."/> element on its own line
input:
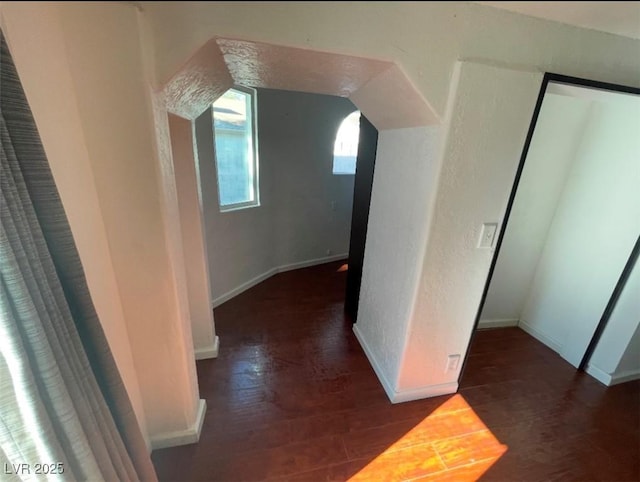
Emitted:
<point x="626" y="272"/>
<point x="564" y="79"/>
<point x="362" y="188"/>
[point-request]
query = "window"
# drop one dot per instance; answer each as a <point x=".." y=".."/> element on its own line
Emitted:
<point x="345" y="150"/>
<point x="236" y="154"/>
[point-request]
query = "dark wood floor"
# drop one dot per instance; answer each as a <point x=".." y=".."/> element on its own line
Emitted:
<point x="293" y="398"/>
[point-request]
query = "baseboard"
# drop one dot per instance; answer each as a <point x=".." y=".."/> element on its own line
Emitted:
<point x="600" y="375"/>
<point x="208" y="351"/>
<point x="312" y="262"/>
<point x="625" y="376"/>
<point x="182" y="437"/>
<point x="425" y="392"/>
<point x="404" y="395"/>
<point x="243" y="287"/>
<point x="613" y="378"/>
<point x="496" y="323"/>
<point x="278" y="269"/>
<point x="374" y="364"/>
<point x="541" y="337"/>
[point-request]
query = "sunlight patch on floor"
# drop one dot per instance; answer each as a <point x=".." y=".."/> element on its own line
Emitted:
<point x="451" y="443"/>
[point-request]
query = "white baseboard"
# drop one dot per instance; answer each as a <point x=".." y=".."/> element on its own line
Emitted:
<point x="182" y="437"/>
<point x="312" y="262"/>
<point x="374" y="364"/>
<point x="404" y="395"/>
<point x="278" y="269"/>
<point x="207" y="352"/>
<point x="425" y="392"/>
<point x="497" y="323"/>
<point x="625" y="376"/>
<point x="613" y="378"/>
<point x="243" y="287"/>
<point x="600" y="375"/>
<point x="541" y="337"/>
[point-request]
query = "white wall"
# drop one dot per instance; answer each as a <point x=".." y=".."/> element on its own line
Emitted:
<point x="594" y="229"/>
<point x="403" y="184"/>
<point x="630" y="362"/>
<point x="557" y="136"/>
<point x="305" y="210"/>
<point x="205" y="341"/>
<point x="239" y="242"/>
<point x="311" y="205"/>
<point x="54" y="107"/>
<point x="93" y="113"/>
<point x="424" y="38"/>
<point x="487" y="121"/>
<point x="617" y="356"/>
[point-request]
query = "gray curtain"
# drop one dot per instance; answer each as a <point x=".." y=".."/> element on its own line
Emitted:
<point x="62" y="402"/>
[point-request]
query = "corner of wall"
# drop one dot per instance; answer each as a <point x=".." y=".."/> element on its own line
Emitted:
<point x="187" y="436"/>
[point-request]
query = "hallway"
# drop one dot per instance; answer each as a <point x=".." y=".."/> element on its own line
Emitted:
<point x="292" y="397"/>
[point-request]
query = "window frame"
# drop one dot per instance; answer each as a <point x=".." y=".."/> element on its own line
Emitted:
<point x="253" y="104"/>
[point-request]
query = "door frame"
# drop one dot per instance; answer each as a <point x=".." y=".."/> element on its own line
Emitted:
<point x="362" y="191"/>
<point x="565" y="79"/>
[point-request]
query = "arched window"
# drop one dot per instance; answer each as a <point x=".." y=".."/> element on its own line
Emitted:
<point x="345" y="149"/>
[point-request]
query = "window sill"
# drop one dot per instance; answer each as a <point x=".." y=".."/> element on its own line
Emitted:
<point x="239" y="206"/>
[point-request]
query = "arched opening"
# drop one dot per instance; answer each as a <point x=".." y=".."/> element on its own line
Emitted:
<point x="221" y="64"/>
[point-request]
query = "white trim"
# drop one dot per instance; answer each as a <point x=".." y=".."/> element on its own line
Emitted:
<point x="404" y="395"/>
<point x="243" y="287"/>
<point x="425" y="392"/>
<point x="182" y="437"/>
<point x="601" y="376"/>
<point x="625" y="376"/>
<point x="613" y="378"/>
<point x="497" y="323"/>
<point x="541" y="337"/>
<point x="278" y="269"/>
<point x="208" y="351"/>
<point x="312" y="262"/>
<point x="374" y="363"/>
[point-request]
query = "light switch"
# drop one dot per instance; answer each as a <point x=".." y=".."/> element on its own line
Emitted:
<point x="488" y="235"/>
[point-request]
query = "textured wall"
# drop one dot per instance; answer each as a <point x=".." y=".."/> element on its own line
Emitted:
<point x="404" y="182"/>
<point x="423" y="38"/>
<point x="488" y="120"/>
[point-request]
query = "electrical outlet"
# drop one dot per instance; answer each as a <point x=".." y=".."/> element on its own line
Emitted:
<point x="452" y="362"/>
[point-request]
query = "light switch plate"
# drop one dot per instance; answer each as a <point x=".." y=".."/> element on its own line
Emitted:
<point x="488" y="235"/>
<point x="452" y="363"/>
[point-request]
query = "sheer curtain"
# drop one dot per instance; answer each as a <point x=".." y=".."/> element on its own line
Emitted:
<point x="64" y="412"/>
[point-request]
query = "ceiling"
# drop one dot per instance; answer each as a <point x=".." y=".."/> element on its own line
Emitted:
<point x="620" y="18"/>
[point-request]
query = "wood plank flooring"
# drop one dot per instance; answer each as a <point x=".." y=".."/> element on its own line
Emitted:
<point x="293" y="398"/>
